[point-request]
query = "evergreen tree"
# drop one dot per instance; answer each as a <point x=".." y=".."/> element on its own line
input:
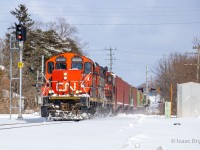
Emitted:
<point x="23" y="17"/>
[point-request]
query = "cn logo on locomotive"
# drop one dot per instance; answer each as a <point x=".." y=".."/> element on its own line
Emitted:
<point x="63" y="87"/>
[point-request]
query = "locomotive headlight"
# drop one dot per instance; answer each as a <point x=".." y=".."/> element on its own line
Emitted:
<point x="65" y="76"/>
<point x="77" y="92"/>
<point x="51" y="91"/>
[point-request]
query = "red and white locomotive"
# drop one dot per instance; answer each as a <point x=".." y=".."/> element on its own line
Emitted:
<point x="78" y="88"/>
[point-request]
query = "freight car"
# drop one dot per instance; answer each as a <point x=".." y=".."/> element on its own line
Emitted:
<point x="78" y="88"/>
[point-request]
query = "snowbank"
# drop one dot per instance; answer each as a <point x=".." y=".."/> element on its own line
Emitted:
<point x="123" y="132"/>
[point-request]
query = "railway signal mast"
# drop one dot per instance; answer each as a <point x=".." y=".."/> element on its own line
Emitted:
<point x="21" y="38"/>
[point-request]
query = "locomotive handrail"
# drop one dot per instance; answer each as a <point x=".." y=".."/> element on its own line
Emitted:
<point x="86" y="77"/>
<point x="45" y="77"/>
<point x="45" y="90"/>
<point x="84" y="81"/>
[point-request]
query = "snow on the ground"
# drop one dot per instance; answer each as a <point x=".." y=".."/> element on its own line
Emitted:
<point x="123" y="132"/>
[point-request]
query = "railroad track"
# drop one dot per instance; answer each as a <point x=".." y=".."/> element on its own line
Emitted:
<point x="8" y="126"/>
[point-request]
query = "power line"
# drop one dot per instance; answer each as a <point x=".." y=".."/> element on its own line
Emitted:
<point x="79" y="7"/>
<point x="106" y="11"/>
<point x="122" y="16"/>
<point x="142" y="53"/>
<point x="131" y="16"/>
<point x="131" y="62"/>
<point x="89" y="15"/>
<point x="135" y="24"/>
<point x="129" y="24"/>
<point x="6" y="21"/>
<point x="70" y="9"/>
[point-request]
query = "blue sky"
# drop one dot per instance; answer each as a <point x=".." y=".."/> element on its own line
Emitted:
<point x="142" y="31"/>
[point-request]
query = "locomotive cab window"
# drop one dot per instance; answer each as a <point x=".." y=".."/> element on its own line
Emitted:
<point x="87" y="67"/>
<point x="50" y="67"/>
<point x="61" y="65"/>
<point x="77" y="63"/>
<point x="61" y="62"/>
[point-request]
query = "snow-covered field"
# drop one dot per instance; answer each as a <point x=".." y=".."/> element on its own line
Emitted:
<point x="123" y="132"/>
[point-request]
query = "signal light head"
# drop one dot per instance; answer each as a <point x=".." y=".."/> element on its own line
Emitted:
<point x="20" y="33"/>
<point x="19" y="37"/>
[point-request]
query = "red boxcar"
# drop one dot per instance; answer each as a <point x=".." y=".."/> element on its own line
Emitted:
<point x="135" y="98"/>
<point x="122" y="94"/>
<point x="126" y="96"/>
<point x="118" y="91"/>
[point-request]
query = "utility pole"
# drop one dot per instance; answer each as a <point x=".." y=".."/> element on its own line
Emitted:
<point x="147" y="86"/>
<point x="198" y="51"/>
<point x="171" y="97"/>
<point x="42" y="69"/>
<point x="147" y="89"/>
<point x="111" y="58"/>
<point x="198" y="61"/>
<point x="42" y="77"/>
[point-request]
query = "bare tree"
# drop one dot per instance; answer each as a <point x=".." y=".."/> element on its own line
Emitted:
<point x="171" y="70"/>
<point x="196" y="41"/>
<point x="63" y="28"/>
<point x="67" y="32"/>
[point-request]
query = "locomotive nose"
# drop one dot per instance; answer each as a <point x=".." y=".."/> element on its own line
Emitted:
<point x="66" y="81"/>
